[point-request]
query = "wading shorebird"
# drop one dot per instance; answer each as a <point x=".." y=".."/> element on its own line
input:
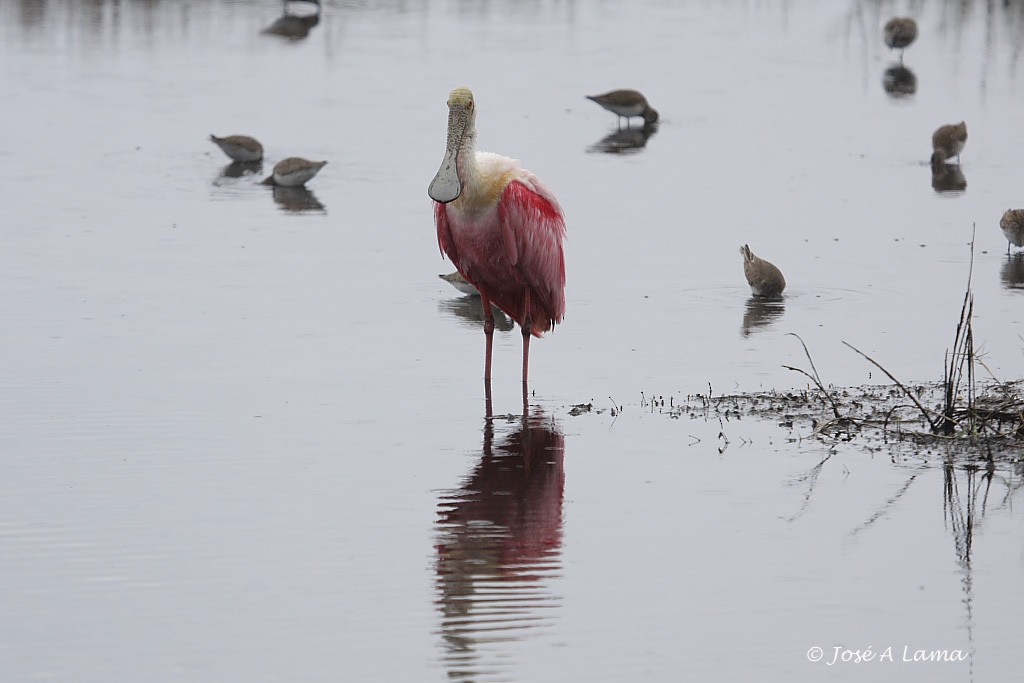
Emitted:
<point x="1012" y="225"/>
<point x="763" y="277"/>
<point x="948" y="141"/>
<point x="293" y="172"/>
<point x="627" y="103"/>
<point x="240" y="147"/>
<point x="460" y="283"/>
<point x="503" y="230"/>
<point x="899" y="33"/>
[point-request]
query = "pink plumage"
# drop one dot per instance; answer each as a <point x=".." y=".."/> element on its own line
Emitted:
<point x="511" y="252"/>
<point x="502" y="228"/>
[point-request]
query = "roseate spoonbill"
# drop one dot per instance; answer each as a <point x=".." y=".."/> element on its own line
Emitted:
<point x="240" y="147"/>
<point x="627" y="103"/>
<point x="293" y="172"/>
<point x="763" y="277"/>
<point x="948" y="141"/>
<point x="899" y="33"/>
<point x="502" y="228"/>
<point x="1012" y="225"/>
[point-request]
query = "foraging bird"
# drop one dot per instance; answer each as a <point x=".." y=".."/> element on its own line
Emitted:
<point x="763" y="277"/>
<point x="502" y="228"/>
<point x="627" y="103"/>
<point x="293" y="172"/>
<point x="1012" y="225"/>
<point x="899" y="33"/>
<point x="240" y="147"/>
<point x="460" y="283"/>
<point x="948" y="141"/>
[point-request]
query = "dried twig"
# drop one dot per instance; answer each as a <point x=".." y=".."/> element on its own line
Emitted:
<point x="924" y="411"/>
<point x="814" y="378"/>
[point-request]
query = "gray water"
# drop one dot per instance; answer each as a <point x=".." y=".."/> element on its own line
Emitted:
<point x="244" y="432"/>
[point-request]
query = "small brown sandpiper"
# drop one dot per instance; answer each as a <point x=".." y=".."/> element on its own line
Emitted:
<point x="460" y="283"/>
<point x="293" y="172"/>
<point x="240" y="147"/>
<point x="1012" y="225"/>
<point x="948" y="141"/>
<point x="899" y="33"/>
<point x="627" y="103"/>
<point x="763" y="277"/>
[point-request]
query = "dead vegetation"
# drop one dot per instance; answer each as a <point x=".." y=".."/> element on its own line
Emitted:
<point x="982" y="418"/>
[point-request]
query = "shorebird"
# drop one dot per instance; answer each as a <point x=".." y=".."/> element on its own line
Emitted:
<point x="1012" y="225"/>
<point x="899" y="33"/>
<point x="627" y="103"/>
<point x="240" y="147"/>
<point x="763" y="277"/>
<point x="460" y="283"/>
<point x="293" y="172"/>
<point x="503" y="230"/>
<point x="948" y="141"/>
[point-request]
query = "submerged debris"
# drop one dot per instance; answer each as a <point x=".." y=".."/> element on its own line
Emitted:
<point x="581" y="408"/>
<point x="993" y="423"/>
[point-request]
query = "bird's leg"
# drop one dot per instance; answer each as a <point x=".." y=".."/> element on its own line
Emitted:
<point x="488" y="411"/>
<point x="527" y="328"/>
<point x="489" y="333"/>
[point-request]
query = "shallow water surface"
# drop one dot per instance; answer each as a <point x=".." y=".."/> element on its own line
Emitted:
<point x="245" y="431"/>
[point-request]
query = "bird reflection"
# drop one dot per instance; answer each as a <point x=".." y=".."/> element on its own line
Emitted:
<point x="237" y="169"/>
<point x="761" y="312"/>
<point x="625" y="140"/>
<point x="1012" y="272"/>
<point x="297" y="199"/>
<point x="899" y="81"/>
<point x="948" y="177"/>
<point x="499" y="542"/>
<point x="294" y="26"/>
<point x="471" y="310"/>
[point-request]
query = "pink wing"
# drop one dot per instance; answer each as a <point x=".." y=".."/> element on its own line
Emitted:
<point x="533" y="229"/>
